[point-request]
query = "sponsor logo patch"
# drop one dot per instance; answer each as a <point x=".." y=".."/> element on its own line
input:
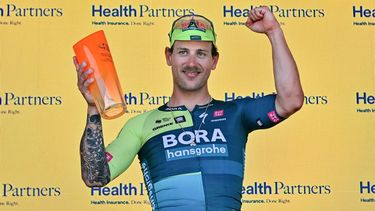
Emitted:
<point x="259" y="122"/>
<point x="166" y="119"/>
<point x="108" y="156"/>
<point x="273" y="116"/>
<point x="180" y="119"/>
<point x="218" y="113"/>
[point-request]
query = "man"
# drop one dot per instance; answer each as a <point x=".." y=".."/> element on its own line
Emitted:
<point x="192" y="149"/>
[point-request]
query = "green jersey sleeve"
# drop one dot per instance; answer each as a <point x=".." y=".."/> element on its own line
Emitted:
<point x="122" y="151"/>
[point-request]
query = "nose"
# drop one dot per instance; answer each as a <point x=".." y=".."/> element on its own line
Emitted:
<point x="192" y="61"/>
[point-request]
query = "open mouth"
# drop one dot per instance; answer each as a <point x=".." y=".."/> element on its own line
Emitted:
<point x="191" y="74"/>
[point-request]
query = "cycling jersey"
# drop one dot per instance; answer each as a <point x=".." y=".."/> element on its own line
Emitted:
<point x="206" y="175"/>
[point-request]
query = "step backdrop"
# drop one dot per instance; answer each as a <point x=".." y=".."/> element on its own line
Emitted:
<point x="322" y="158"/>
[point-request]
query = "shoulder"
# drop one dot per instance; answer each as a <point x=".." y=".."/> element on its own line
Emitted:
<point x="142" y="118"/>
<point x="249" y="104"/>
<point x="135" y="125"/>
<point x="149" y="119"/>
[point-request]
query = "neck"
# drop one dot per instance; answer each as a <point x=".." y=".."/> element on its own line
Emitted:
<point x="189" y="99"/>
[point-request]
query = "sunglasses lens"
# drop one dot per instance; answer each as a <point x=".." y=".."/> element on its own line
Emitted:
<point x="193" y="23"/>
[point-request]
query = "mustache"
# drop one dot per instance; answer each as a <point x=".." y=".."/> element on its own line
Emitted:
<point x="191" y="69"/>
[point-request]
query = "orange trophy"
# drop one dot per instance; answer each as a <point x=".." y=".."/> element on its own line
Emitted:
<point x="106" y="89"/>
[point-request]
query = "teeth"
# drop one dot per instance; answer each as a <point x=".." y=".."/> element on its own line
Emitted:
<point x="192" y="74"/>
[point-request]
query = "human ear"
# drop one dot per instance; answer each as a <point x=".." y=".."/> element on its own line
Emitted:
<point x="168" y="55"/>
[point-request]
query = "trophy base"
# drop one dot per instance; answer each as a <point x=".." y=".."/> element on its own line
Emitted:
<point x="113" y="111"/>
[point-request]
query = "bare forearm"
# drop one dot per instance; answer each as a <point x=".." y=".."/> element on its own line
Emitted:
<point x="94" y="166"/>
<point x="289" y="91"/>
<point x="287" y="81"/>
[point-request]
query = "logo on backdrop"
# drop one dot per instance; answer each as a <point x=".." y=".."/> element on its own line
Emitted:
<point x="11" y="98"/>
<point x="129" y="192"/>
<point x="363" y="16"/>
<point x="282" y="12"/>
<point x="280" y="189"/>
<point x="135" y="12"/>
<point x="9" y="190"/>
<point x="233" y="11"/>
<point x="23" y="11"/>
<point x="14" y="10"/>
<point x="367" y="188"/>
<point x="365" y="102"/>
<point x="308" y="99"/>
<point x="142" y="10"/>
<point x="11" y="102"/>
<point x="145" y="98"/>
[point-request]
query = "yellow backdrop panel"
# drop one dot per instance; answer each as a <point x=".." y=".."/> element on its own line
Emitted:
<point x="322" y="158"/>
